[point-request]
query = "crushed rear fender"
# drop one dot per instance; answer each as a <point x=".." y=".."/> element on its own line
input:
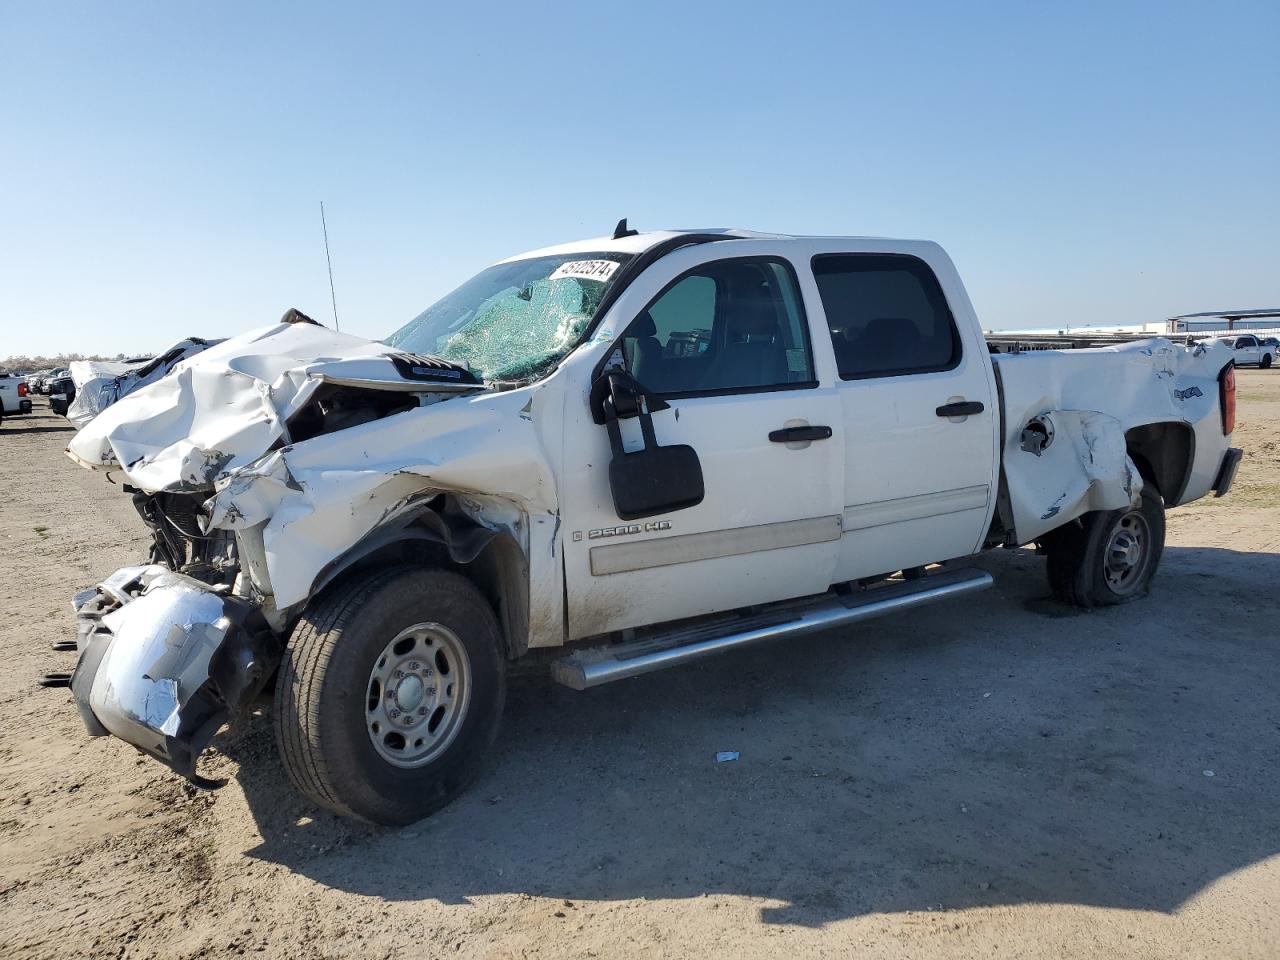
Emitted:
<point x="1068" y="415"/>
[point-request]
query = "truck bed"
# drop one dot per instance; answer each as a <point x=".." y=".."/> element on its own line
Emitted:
<point x="1163" y="409"/>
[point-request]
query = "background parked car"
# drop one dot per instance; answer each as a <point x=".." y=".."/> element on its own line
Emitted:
<point x="102" y="383"/>
<point x="34" y="379"/>
<point x="61" y="392"/>
<point x="46" y="383"/>
<point x="14" y="395"/>
<point x="1249" y="350"/>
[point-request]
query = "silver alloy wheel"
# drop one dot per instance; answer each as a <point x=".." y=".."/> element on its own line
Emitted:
<point x="1127" y="554"/>
<point x="418" y="694"/>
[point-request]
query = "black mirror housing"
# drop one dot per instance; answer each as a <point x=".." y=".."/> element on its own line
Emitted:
<point x="655" y="479"/>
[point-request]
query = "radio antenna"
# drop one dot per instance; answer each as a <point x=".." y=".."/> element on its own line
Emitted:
<point x="332" y="296"/>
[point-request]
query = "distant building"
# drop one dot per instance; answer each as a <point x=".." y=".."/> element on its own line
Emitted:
<point x="1187" y="326"/>
<point x="1214" y="320"/>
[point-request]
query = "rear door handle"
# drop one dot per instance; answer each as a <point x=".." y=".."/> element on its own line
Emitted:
<point x="798" y="434"/>
<point x="961" y="408"/>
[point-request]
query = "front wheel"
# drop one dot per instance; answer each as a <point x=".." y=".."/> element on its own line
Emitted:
<point x="1108" y="556"/>
<point x="1266" y="362"/>
<point x="390" y="694"/>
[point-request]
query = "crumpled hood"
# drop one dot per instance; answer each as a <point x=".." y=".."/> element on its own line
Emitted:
<point x="100" y="383"/>
<point x="228" y="405"/>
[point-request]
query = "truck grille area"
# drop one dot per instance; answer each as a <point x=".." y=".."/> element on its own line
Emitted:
<point x="176" y="521"/>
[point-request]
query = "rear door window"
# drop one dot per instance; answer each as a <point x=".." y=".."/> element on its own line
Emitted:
<point x="887" y="315"/>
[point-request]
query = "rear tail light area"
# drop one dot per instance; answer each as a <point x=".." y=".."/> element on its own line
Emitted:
<point x="22" y="389"/>
<point x="1227" y="398"/>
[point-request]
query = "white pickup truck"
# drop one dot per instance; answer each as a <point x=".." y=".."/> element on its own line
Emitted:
<point x="15" y="398"/>
<point x="1249" y="350"/>
<point x="620" y="454"/>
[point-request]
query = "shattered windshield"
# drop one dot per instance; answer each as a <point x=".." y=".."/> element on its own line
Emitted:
<point x="515" y="320"/>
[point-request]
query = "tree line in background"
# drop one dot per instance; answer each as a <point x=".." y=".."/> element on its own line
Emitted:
<point x="25" y="363"/>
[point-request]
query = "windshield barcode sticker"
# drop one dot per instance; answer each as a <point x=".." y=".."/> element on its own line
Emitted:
<point x="600" y="270"/>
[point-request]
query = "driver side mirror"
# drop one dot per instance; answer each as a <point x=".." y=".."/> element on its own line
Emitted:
<point x="654" y="479"/>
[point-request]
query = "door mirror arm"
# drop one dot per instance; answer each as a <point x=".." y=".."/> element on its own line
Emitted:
<point x="628" y="397"/>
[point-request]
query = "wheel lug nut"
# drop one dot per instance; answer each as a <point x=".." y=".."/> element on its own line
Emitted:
<point x="393" y="713"/>
<point x="414" y="664"/>
<point x="399" y="674"/>
<point x="422" y="711"/>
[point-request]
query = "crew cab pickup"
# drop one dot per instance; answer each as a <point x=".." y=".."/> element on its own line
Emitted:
<point x="616" y="455"/>
<point x="1248" y="351"/>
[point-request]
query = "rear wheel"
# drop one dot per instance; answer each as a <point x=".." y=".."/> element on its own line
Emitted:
<point x="1108" y="556"/>
<point x="390" y="694"/>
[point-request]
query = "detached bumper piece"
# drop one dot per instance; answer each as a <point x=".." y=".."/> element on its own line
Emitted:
<point x="1227" y="472"/>
<point x="165" y="661"/>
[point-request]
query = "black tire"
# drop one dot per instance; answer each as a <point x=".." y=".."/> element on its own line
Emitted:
<point x="323" y="693"/>
<point x="1266" y="361"/>
<point x="1078" y="568"/>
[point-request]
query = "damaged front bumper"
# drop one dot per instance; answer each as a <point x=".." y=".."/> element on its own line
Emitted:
<point x="166" y="660"/>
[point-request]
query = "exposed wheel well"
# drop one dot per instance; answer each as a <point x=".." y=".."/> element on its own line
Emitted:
<point x="1163" y="453"/>
<point x="499" y="570"/>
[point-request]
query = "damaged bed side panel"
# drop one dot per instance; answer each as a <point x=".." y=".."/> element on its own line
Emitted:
<point x="1063" y="457"/>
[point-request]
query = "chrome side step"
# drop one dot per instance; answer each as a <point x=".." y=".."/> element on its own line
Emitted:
<point x="591" y="668"/>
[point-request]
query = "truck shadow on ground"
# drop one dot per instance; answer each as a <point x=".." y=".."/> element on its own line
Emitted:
<point x="26" y="429"/>
<point x="964" y="754"/>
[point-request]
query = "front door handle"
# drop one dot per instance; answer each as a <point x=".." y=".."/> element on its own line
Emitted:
<point x="961" y="408"/>
<point x="799" y="434"/>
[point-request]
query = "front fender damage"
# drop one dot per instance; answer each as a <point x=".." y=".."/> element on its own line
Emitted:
<point x="166" y="660"/>
<point x="298" y="509"/>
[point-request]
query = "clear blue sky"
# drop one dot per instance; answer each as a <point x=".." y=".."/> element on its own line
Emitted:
<point x="161" y="164"/>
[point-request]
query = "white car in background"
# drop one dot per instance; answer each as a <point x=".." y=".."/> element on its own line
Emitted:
<point x="1250" y="351"/>
<point x="15" y="398"/>
<point x="100" y="383"/>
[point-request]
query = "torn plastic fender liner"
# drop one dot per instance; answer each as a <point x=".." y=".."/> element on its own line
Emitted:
<point x="168" y="667"/>
<point x="462" y="538"/>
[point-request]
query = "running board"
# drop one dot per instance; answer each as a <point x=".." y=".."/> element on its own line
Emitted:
<point x="591" y="668"/>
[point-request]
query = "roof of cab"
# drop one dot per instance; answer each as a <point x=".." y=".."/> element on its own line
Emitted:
<point x="643" y="240"/>
<point x="634" y="243"/>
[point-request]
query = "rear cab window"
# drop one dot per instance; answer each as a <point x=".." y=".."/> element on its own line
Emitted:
<point x="886" y="314"/>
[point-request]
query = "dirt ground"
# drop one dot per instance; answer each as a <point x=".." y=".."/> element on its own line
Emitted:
<point x="995" y="777"/>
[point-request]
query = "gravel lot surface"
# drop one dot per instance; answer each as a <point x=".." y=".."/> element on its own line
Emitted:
<point x="995" y="777"/>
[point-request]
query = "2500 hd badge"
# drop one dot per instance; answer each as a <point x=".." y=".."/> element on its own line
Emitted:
<point x="624" y="530"/>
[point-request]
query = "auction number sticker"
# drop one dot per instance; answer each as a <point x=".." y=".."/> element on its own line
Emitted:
<point x="600" y="270"/>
